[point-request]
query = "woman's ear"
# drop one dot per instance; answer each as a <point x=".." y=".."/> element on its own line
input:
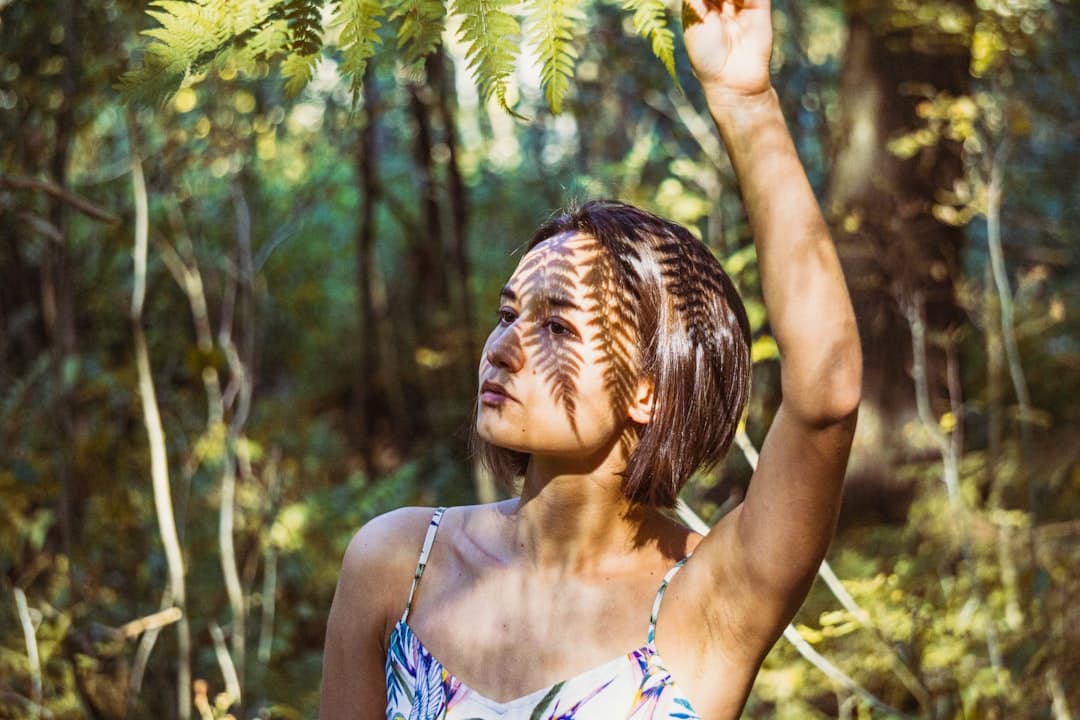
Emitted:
<point x="642" y="402"/>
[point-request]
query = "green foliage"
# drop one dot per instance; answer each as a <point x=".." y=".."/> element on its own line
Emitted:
<point x="650" y="21"/>
<point x="192" y="33"/>
<point x="421" y="27"/>
<point x="489" y="31"/>
<point x="297" y="70"/>
<point x="305" y="26"/>
<point x="73" y="458"/>
<point x="359" y="20"/>
<point x="550" y="25"/>
<point x="304" y="21"/>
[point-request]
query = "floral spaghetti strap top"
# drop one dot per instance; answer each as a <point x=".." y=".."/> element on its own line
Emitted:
<point x="635" y="686"/>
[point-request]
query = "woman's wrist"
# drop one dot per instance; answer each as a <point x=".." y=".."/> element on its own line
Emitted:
<point x="724" y="100"/>
<point x="742" y="118"/>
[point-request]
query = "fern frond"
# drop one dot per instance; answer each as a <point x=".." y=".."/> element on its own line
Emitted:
<point x="297" y="70"/>
<point x="550" y="26"/>
<point x="152" y="83"/>
<point x="262" y="42"/>
<point x="489" y="31"/>
<point x="651" y="22"/>
<point x="189" y="36"/>
<point x="188" y="31"/>
<point x="305" y="26"/>
<point x="421" y="29"/>
<point x="359" y="36"/>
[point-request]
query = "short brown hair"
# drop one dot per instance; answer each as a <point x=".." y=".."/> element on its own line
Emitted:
<point x="692" y="340"/>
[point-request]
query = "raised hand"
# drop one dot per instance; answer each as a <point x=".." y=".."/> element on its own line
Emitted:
<point x="729" y="43"/>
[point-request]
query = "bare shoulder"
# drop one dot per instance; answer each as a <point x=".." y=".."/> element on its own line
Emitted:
<point x="379" y="561"/>
<point x="371" y="592"/>
<point x="385" y="540"/>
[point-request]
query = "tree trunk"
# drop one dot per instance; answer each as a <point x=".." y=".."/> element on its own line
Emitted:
<point x="58" y="295"/>
<point x="880" y="206"/>
<point x="365" y="269"/>
<point x="457" y="195"/>
<point x="427" y="247"/>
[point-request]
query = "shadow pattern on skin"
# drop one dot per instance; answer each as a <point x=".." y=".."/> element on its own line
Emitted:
<point x="662" y="309"/>
<point x="690" y="16"/>
<point x="689" y="272"/>
<point x="608" y="267"/>
<point x="612" y="296"/>
<point x="548" y="279"/>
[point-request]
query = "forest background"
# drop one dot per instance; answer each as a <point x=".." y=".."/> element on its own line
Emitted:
<point x="240" y="317"/>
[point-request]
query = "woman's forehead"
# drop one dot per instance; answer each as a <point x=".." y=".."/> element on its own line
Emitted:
<point x="554" y="267"/>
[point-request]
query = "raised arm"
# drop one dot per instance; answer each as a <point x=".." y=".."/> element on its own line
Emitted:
<point x="767" y="552"/>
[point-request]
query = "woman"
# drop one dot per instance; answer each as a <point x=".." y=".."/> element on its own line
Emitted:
<point x="618" y="365"/>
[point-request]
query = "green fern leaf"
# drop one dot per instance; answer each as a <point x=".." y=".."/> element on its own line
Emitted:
<point x="550" y="26"/>
<point x="190" y="35"/>
<point x="150" y="84"/>
<point x="490" y="32"/>
<point x="262" y="42"/>
<point x="305" y="26"/>
<point x="421" y="29"/>
<point x="297" y="69"/>
<point x="359" y="20"/>
<point x="650" y="22"/>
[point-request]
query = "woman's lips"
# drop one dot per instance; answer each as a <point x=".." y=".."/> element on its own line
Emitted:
<point x="494" y="394"/>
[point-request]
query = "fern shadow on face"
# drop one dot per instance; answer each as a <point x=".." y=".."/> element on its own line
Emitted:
<point x="575" y="270"/>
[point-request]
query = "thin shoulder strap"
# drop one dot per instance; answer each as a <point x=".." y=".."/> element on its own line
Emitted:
<point x="429" y="540"/>
<point x="660" y="596"/>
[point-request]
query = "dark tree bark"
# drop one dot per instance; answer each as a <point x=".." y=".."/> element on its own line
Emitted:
<point x="369" y="336"/>
<point x="881" y="209"/>
<point x="57" y="290"/>
<point x="443" y="85"/>
<point x="427" y="245"/>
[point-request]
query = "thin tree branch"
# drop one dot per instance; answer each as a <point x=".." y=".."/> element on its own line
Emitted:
<point x="154" y="621"/>
<point x="693" y="521"/>
<point x="906" y="675"/>
<point x="142" y="656"/>
<point x="225" y="661"/>
<point x="835" y="674"/>
<point x="27" y="702"/>
<point x="995" y="189"/>
<point x="43" y="226"/>
<point x="16" y="182"/>
<point x="1001" y="281"/>
<point x="950" y="457"/>
<point x="1060" y="702"/>
<point x="159" y="466"/>
<point x="33" y="659"/>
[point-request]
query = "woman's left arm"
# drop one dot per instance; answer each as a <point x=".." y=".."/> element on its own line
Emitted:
<point x="766" y="552"/>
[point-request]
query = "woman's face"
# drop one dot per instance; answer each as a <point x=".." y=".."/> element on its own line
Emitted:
<point x="556" y="374"/>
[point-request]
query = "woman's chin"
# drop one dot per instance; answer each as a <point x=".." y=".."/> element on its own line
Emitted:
<point x="500" y="437"/>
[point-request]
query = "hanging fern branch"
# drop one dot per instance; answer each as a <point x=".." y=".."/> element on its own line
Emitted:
<point x="192" y="34"/>
<point x="650" y="22"/>
<point x="262" y="41"/>
<point x="490" y="32"/>
<point x="421" y="27"/>
<point x="360" y="24"/>
<point x="550" y="26"/>
<point x="304" y="18"/>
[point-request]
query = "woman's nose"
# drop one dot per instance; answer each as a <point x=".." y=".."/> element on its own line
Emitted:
<point x="505" y="351"/>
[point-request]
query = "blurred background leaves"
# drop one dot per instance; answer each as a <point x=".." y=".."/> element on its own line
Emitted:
<point x="334" y="267"/>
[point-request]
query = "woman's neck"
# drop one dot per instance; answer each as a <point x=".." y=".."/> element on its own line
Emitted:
<point x="577" y="521"/>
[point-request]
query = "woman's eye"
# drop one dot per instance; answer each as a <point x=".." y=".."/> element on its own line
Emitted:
<point x="557" y="328"/>
<point x="506" y="316"/>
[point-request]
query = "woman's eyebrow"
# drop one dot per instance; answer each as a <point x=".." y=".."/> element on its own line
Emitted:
<point x="560" y="301"/>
